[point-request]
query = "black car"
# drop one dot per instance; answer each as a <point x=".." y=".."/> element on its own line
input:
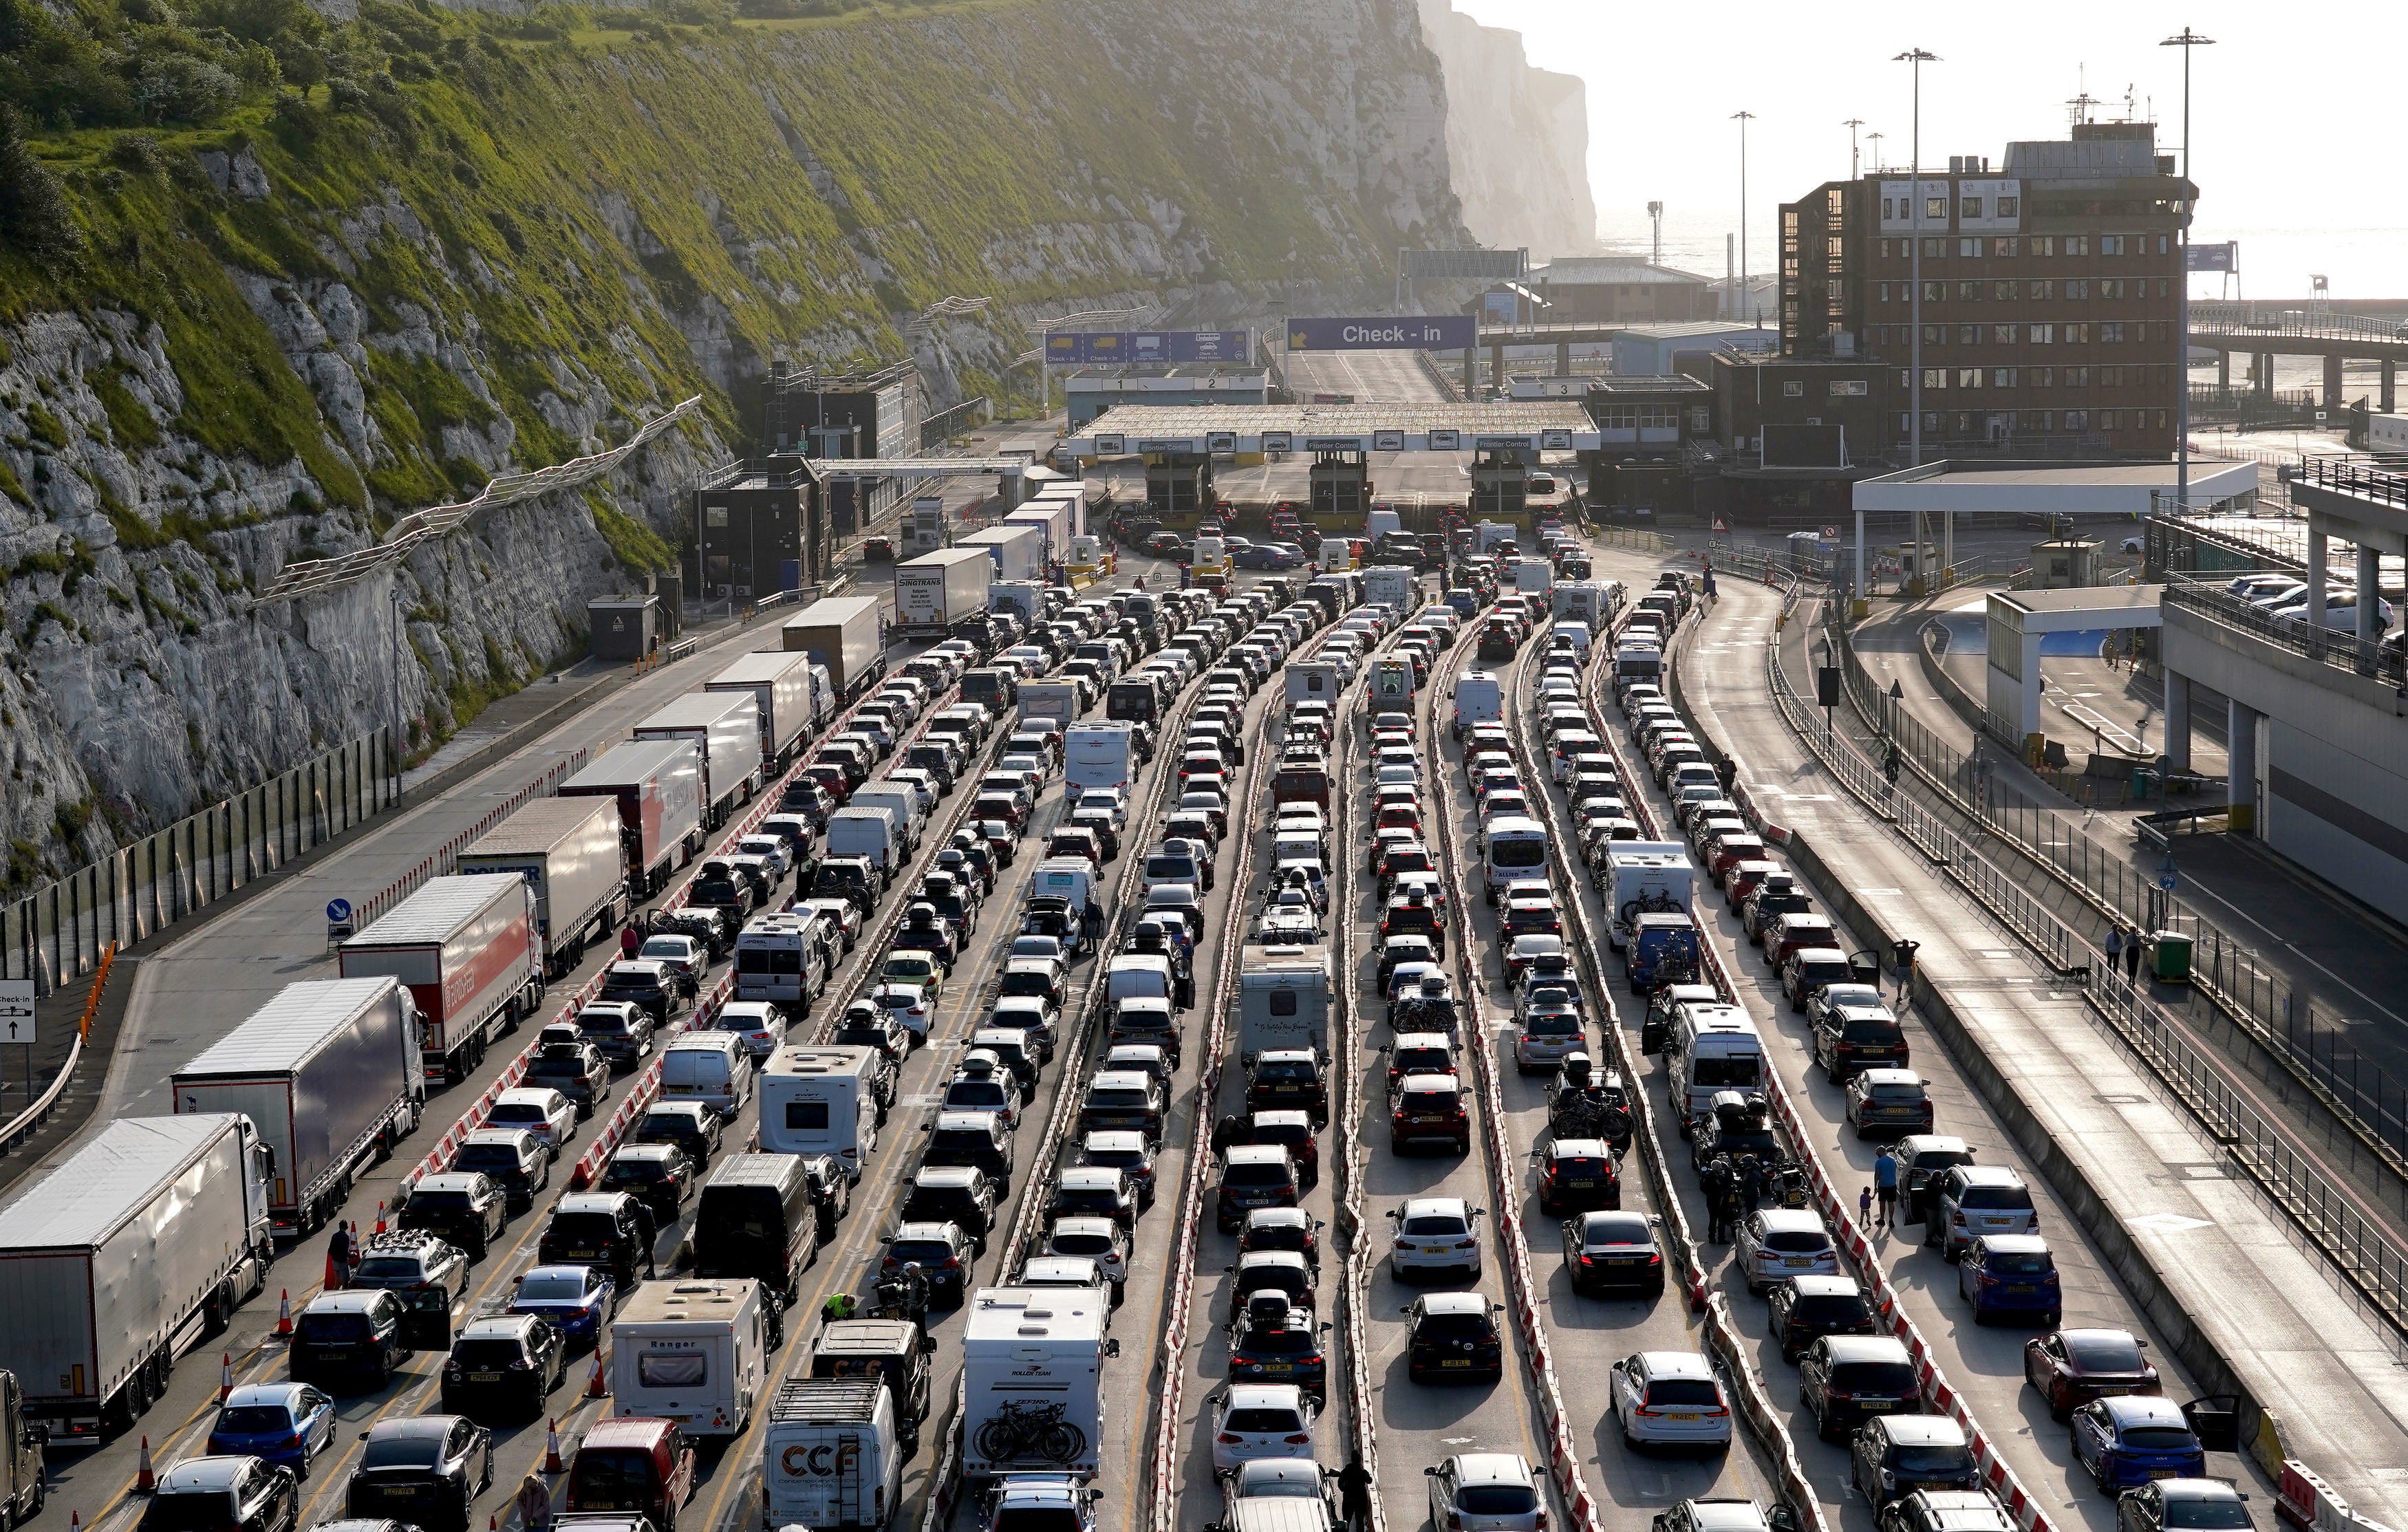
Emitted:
<point x="866" y="1024"/>
<point x="957" y="1195"/>
<point x="620" y="1030"/>
<point x="855" y="878"/>
<point x="504" y="1369"/>
<point x="576" y="1070"/>
<point x="516" y="1159"/>
<point x="1289" y="1079"/>
<point x="346" y="1336"/>
<point x="612" y="1230"/>
<point x="831" y="1193"/>
<point x="650" y="985"/>
<point x="1803" y="1309"/>
<point x="942" y="1249"/>
<point x="423" y="1470"/>
<point x="716" y="928"/>
<point x="662" y="1174"/>
<point x="1846" y="1379"/>
<point x="1454" y="1335"/>
<point x="466" y="1208"/>
<point x="1946" y="1510"/>
<point x="688" y="1125"/>
<point x="1613" y="1252"/>
<point x="1576" y="1175"/>
<point x="1272" y="1341"/>
<point x="1898" y="1455"/>
<point x="428" y="1274"/>
<point x="973" y="1138"/>
<point x="722" y="885"/>
<point x="238" y="1493"/>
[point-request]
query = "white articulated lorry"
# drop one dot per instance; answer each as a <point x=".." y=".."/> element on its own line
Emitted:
<point x="331" y="1074"/>
<point x="841" y="633"/>
<point x="155" y="1225"/>
<point x="568" y="851"/>
<point x="938" y="592"/>
<point x="796" y="695"/>
<point x="727" y="726"/>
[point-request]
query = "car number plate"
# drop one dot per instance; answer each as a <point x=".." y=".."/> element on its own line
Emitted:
<point x="1424" y="1118"/>
<point x="1455" y="1362"/>
<point x="1798" y="1260"/>
<point x="1876" y="1404"/>
<point x="1279" y="1366"/>
<point x="2161" y="1473"/>
<point x="2021" y="1287"/>
<point x="599" y="1505"/>
<point x="484" y="1377"/>
<point x="583" y="1254"/>
<point x="1580" y="1184"/>
<point x="1436" y="1249"/>
<point x="1680" y="1414"/>
<point x="2111" y="1388"/>
<point x="1621" y="1260"/>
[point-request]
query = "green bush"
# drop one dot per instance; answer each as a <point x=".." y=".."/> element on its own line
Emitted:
<point x="34" y="215"/>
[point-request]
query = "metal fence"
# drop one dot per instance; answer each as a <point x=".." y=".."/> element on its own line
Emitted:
<point x="2340" y="647"/>
<point x="56" y="934"/>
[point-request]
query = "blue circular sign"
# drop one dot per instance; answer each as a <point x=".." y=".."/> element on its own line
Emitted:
<point x="2165" y="881"/>
<point x="339" y="911"/>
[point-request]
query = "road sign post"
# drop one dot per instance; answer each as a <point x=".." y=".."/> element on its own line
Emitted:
<point x="338" y="921"/>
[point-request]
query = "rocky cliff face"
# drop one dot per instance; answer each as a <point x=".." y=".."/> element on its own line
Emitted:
<point x="1517" y="136"/>
<point x="489" y="242"/>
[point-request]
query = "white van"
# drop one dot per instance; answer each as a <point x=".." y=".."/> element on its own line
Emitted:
<point x="1513" y="848"/>
<point x="1064" y="878"/>
<point x="902" y="798"/>
<point x="821" y="1101"/>
<point x="713" y="1068"/>
<point x="1710" y="1047"/>
<point x="781" y="958"/>
<point x="867" y="832"/>
<point x="1479" y="698"/>
<point x="830" y="1459"/>
<point x="1146" y="974"/>
<point x="693" y="1352"/>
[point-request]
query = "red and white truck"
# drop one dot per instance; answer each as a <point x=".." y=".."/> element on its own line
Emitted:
<point x="658" y="784"/>
<point x="470" y="951"/>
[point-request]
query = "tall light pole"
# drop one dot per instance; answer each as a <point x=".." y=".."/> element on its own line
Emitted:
<point x="2185" y="40"/>
<point x="1874" y="139"/>
<point x="1855" y="165"/>
<point x="1915" y="58"/>
<point x="1742" y="119"/>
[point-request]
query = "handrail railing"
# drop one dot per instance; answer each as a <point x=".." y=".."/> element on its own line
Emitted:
<point x="2219" y="317"/>
<point x="32" y="1116"/>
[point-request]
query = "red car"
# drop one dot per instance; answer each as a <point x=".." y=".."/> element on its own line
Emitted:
<point x="2072" y="1368"/>
<point x="1731" y="851"/>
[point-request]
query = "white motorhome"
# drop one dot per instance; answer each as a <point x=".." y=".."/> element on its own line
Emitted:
<point x="1031" y="1348"/>
<point x="1098" y="755"/>
<point x="1710" y="1047"/>
<point x="1647" y="877"/>
<point x="830" y="1459"/>
<point x="695" y="1352"/>
<point x="1283" y="999"/>
<point x="821" y="1101"/>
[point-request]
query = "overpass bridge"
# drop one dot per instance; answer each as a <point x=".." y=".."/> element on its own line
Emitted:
<point x="2265" y="331"/>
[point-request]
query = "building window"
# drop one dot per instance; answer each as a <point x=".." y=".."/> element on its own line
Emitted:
<point x="2002" y="334"/>
<point x="1968" y="207"/>
<point x="2010" y="207"/>
<point x="2002" y="377"/>
<point x="1934" y="292"/>
<point x="2161" y="414"/>
<point x="2005" y="244"/>
<point x="2042" y="244"/>
<point x="1849" y="388"/>
<point x="1969" y="378"/>
<point x="1889" y="212"/>
<point x="2164" y="286"/>
<point x="1698" y="417"/>
<point x="2039" y="334"/>
<point x="1969" y="292"/>
<point x="2077" y="287"/>
<point x="2040" y="420"/>
<point x="1905" y="422"/>
<point x="2111" y="378"/>
<point x="2164" y="374"/>
<point x="2111" y="244"/>
<point x="1935" y="378"/>
<point x="1832" y="203"/>
<point x="1969" y="246"/>
<point x="1835" y="249"/>
<point x="1968" y="334"/>
<point x="2110" y="287"/>
<point x="2111" y="332"/>
<point x="2161" y="249"/>
<point x="2044" y="377"/>
<point x="1905" y="378"/>
<point x="2077" y="420"/>
<point x="1658" y="416"/>
<point x="2107" y="419"/>
<point x="1617" y="417"/>
<point x="1935" y="335"/>
<point x="2077" y="377"/>
<point x="1883" y="289"/>
<point x="2077" y="243"/>
<point x="2006" y="290"/>
<point x="2042" y="289"/>
<point x="1932" y="420"/>
<point x="1834" y="292"/>
<point x="2077" y="335"/>
<point x="1934" y="246"/>
<point x="1935" y="208"/>
<point x="1793" y="390"/>
<point x="1964" y="422"/>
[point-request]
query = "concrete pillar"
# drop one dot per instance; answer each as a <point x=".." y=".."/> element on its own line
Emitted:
<point x="2177" y="721"/>
<point x="2027" y="713"/>
<point x="2265" y="369"/>
<point x="2390" y="370"/>
<point x="1497" y="365"/>
<point x="2332" y="382"/>
<point x="1564" y="361"/>
<point x="2224" y="370"/>
<point x="1857" y="593"/>
<point x="2369" y="592"/>
<point x="1469" y="353"/>
<point x="2317" y="581"/>
<point x="2240" y="752"/>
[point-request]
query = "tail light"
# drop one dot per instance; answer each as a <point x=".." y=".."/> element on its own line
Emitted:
<point x="1230" y="1439"/>
<point x="1300" y="1439"/>
<point x="1466" y="1244"/>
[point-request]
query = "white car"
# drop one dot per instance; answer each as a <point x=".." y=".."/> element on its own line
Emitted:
<point x="538" y="1109"/>
<point x="1113" y="798"/>
<point x="1255" y="1421"/>
<point x="1670" y="1396"/>
<point x="1280" y="1479"/>
<point x="686" y="954"/>
<point x="1389" y="774"/>
<point x="1435" y="1234"/>
<point x="1486" y="1492"/>
<point x="1099" y="1239"/>
<point x="770" y="849"/>
<point x="761" y="1025"/>
<point x="1778" y="1243"/>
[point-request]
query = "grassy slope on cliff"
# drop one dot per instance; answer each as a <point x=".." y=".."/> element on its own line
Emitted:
<point x="586" y="181"/>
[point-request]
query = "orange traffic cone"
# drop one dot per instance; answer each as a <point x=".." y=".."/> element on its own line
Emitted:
<point x="146" y="1478"/>
<point x="380" y="1229"/>
<point x="551" y="1446"/>
<point x="225" y="1376"/>
<point x="285" y="1313"/>
<point x="595" y="1387"/>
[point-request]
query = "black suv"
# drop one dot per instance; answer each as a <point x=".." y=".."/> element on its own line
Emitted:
<point x="645" y="983"/>
<point x="503" y="1369"/>
<point x="349" y="1334"/>
<point x="662" y="1174"/>
<point x="1803" y="1309"/>
<point x="620" y="1030"/>
<point x="1288" y="1078"/>
<point x="429" y="1276"/>
<point x="465" y="1208"/>
<point x="722" y="885"/>
<point x="576" y="1069"/>
<point x="612" y="1230"/>
<point x="958" y="1194"/>
<point x="688" y="1125"/>
<point x="855" y="878"/>
<point x="1453" y="1335"/>
<point x="423" y="1470"/>
<point x="515" y="1158"/>
<point x="238" y="1494"/>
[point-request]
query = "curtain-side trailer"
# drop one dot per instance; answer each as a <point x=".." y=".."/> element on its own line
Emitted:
<point x="468" y="950"/>
<point x="657" y="784"/>
<point x="728" y="726"/>
<point x="840" y="631"/>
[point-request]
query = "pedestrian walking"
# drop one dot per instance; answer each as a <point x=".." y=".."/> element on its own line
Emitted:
<point x="2132" y="955"/>
<point x="2115" y="946"/>
<point x="534" y="1503"/>
<point x="1885" y="1185"/>
<point x="339" y="1259"/>
<point x="630" y="941"/>
<point x="1865" y="1208"/>
<point x="1355" y="1492"/>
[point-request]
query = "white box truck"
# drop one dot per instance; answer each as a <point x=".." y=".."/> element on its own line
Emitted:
<point x="567" y="850"/>
<point x="830" y="1459"/>
<point x="1647" y="877"/>
<point x="657" y="784"/>
<point x="468" y="950"/>
<point x="793" y="703"/>
<point x="154" y="1223"/>
<point x="1055" y="702"/>
<point x="821" y="1101"/>
<point x="1018" y="550"/>
<point x="695" y="1352"/>
<point x="843" y="633"/>
<point x="1392" y="586"/>
<point x="937" y="591"/>
<point x="1283" y="999"/>
<point x="1098" y="755"/>
<point x="1033" y="1381"/>
<point x="330" y="1073"/>
<point x="1022" y="598"/>
<point x="727" y="727"/>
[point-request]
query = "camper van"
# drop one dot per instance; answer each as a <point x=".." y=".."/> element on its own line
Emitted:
<point x="823" y="1101"/>
<point x="695" y="1352"/>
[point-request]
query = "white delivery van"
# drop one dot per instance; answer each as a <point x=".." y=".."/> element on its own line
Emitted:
<point x="1283" y="999"/>
<point x="1479" y="698"/>
<point x="1534" y="576"/>
<point x="867" y="832"/>
<point x="1647" y="877"/>
<point x="693" y="1352"/>
<point x="885" y="792"/>
<point x="1579" y="635"/>
<point x="1026" y="1350"/>
<point x="821" y="1101"/>
<point x="1146" y="974"/>
<point x="713" y="1068"/>
<point x="829" y="1457"/>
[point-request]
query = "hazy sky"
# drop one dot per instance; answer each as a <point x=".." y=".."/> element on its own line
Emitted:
<point x="2287" y="113"/>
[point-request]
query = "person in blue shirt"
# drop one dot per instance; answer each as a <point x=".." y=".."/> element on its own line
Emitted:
<point x="1885" y="1185"/>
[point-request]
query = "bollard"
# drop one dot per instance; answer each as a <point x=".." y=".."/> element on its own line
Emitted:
<point x="551" y="1446"/>
<point x="225" y="1377"/>
<point x="596" y="1388"/>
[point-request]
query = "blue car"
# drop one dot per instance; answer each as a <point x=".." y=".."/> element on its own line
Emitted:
<point x="2009" y="1274"/>
<point x="2126" y="1440"/>
<point x="576" y="1300"/>
<point x="1267" y="555"/>
<point x="1465" y="602"/>
<point x="287" y="1423"/>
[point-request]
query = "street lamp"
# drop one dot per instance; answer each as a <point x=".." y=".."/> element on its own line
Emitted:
<point x="1742" y="119"/>
<point x="2185" y="40"/>
<point x="1856" y="164"/>
<point x="1915" y="58"/>
<point x="393" y="740"/>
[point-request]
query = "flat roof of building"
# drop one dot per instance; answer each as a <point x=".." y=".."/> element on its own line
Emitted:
<point x="1583" y="270"/>
<point x="2119" y="488"/>
<point x="1695" y="327"/>
<point x="1403" y="427"/>
<point x="1662" y="383"/>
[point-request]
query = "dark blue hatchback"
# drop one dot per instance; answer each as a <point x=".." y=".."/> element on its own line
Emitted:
<point x="286" y="1423"/>
<point x="2009" y="1274"/>
<point x="2133" y="1438"/>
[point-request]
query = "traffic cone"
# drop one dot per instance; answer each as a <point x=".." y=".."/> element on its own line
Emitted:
<point x="285" y="1313"/>
<point x="146" y="1478"/>
<point x="551" y="1446"/>
<point x="225" y="1376"/>
<point x="595" y="1387"/>
<point x="380" y="1229"/>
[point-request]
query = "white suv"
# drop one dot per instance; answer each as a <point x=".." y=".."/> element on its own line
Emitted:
<point x="1673" y="1397"/>
<point x="1486" y="1492"/>
<point x="1779" y="1243"/>
<point x="1435" y="1233"/>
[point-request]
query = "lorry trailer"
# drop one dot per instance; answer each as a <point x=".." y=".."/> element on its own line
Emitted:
<point x="727" y="726"/>
<point x="843" y="633"/>
<point x="794" y="693"/>
<point x="567" y="851"/>
<point x="938" y="592"/>
<point x="1018" y="550"/>
<point x="657" y="784"/>
<point x="155" y="1225"/>
<point x="470" y="951"/>
<point x="332" y="1075"/>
